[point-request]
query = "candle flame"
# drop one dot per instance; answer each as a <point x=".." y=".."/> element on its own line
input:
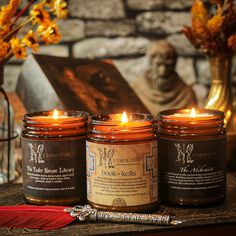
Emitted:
<point x="193" y="112"/>
<point x="124" y="118"/>
<point x="55" y="114"/>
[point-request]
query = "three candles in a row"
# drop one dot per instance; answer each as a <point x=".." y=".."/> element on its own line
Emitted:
<point x="124" y="162"/>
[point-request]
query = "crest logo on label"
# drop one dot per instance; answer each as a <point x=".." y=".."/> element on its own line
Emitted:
<point x="184" y="152"/>
<point x="36" y="152"/>
<point x="105" y="157"/>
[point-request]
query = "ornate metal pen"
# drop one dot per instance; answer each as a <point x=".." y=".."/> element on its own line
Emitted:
<point x="54" y="217"/>
<point x="87" y="213"/>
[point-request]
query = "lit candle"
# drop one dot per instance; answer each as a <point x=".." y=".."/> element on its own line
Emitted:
<point x="53" y="154"/>
<point x="55" y="114"/>
<point x="192" y="156"/>
<point x="124" y="118"/>
<point x="122" y="162"/>
<point x="54" y="117"/>
<point x="191" y="114"/>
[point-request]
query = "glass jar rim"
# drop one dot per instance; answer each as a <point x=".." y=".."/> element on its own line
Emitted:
<point x="188" y="126"/>
<point x="112" y="119"/>
<point x="75" y="115"/>
<point x="110" y="127"/>
<point x="211" y="115"/>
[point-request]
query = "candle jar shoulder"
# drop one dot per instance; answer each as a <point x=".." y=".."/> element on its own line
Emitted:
<point x="122" y="164"/>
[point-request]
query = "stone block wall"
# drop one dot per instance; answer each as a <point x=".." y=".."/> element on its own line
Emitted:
<point x="122" y="30"/>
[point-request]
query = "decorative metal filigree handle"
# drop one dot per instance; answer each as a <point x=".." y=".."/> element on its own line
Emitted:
<point x="86" y="212"/>
<point x="83" y="213"/>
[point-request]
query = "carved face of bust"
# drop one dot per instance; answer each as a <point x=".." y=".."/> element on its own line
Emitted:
<point x="162" y="61"/>
<point x="161" y="66"/>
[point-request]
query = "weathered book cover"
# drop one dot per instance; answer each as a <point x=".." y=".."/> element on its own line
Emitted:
<point x="95" y="86"/>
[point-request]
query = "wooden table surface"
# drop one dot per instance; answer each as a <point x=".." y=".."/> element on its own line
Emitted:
<point x="218" y="220"/>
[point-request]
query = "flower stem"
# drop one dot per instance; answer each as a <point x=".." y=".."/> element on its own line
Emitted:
<point x="21" y="13"/>
<point x="14" y="31"/>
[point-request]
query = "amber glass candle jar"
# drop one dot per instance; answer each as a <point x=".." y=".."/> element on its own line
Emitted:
<point x="54" y="157"/>
<point x="192" y="157"/>
<point x="122" y="162"/>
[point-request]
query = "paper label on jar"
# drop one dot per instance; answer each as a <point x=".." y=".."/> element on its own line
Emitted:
<point x="54" y="169"/>
<point x="122" y="174"/>
<point x="192" y="169"/>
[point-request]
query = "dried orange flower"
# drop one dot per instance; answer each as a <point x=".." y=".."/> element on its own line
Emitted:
<point x="4" y="30"/>
<point x="8" y="11"/>
<point x="40" y="23"/>
<point x="30" y="40"/>
<point x="59" y="8"/>
<point x="4" y="49"/>
<point x="213" y="32"/>
<point x="39" y="14"/>
<point x="49" y="34"/>
<point x="18" y="49"/>
<point x="199" y="19"/>
<point x="215" y="23"/>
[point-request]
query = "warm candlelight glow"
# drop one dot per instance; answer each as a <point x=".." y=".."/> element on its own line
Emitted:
<point x="124" y="118"/>
<point x="55" y="114"/>
<point x="193" y="112"/>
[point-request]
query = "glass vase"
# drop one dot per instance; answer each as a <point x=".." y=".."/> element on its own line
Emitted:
<point x="7" y="136"/>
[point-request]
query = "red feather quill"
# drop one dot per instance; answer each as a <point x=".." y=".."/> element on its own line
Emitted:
<point x="34" y="217"/>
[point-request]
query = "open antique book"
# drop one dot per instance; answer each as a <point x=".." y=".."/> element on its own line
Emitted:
<point x="95" y="86"/>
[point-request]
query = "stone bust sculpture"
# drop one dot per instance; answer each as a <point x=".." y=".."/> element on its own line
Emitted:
<point x="161" y="88"/>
